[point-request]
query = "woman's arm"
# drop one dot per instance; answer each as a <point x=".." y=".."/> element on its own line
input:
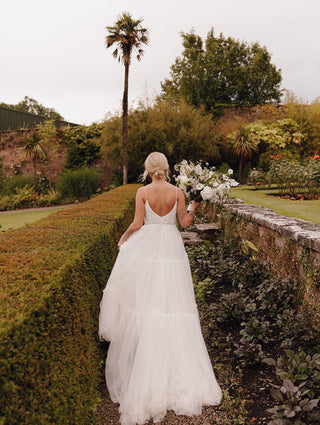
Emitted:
<point x="185" y="218"/>
<point x="138" y="217"/>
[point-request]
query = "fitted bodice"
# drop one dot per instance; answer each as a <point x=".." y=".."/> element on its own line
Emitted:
<point x="153" y="218"/>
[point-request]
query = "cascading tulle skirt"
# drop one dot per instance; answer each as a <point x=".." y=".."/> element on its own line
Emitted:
<point x="157" y="359"/>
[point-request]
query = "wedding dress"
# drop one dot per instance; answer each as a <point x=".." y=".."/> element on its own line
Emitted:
<point x="157" y="359"/>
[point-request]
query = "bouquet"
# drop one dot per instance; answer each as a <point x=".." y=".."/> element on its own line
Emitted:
<point x="201" y="183"/>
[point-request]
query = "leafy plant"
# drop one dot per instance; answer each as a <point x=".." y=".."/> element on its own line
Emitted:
<point x="249" y="351"/>
<point x="10" y="184"/>
<point x="231" y="308"/>
<point x="299" y="367"/>
<point x="296" y="331"/>
<point x="276" y="295"/>
<point x="82" y="147"/>
<point x="294" y="177"/>
<point x="25" y="197"/>
<point x="204" y="289"/>
<point x="254" y="329"/>
<point x="295" y="405"/>
<point x="78" y="184"/>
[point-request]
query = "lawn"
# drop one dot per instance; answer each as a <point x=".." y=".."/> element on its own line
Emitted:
<point x="307" y="210"/>
<point x="13" y="220"/>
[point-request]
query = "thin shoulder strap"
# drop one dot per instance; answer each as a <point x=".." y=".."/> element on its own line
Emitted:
<point x="145" y="189"/>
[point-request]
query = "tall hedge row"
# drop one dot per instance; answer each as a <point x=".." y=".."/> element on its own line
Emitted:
<point x="52" y="274"/>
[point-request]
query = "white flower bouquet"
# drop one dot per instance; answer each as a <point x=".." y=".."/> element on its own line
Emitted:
<point x="201" y="183"/>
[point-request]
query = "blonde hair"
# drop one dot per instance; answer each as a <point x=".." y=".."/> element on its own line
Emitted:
<point x="156" y="163"/>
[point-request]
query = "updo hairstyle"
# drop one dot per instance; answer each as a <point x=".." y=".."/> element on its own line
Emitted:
<point x="157" y="164"/>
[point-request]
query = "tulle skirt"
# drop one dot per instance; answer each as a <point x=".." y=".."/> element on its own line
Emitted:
<point x="157" y="359"/>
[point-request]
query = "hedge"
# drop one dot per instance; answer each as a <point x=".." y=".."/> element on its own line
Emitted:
<point x="52" y="274"/>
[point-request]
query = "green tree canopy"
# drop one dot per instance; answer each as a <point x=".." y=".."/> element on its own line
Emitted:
<point x="222" y="71"/>
<point x="34" y="107"/>
<point x="82" y="147"/>
<point x="180" y="132"/>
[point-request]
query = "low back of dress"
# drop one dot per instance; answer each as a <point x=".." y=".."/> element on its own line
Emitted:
<point x="153" y="218"/>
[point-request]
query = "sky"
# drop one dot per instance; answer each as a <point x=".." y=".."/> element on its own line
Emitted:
<point x="54" y="51"/>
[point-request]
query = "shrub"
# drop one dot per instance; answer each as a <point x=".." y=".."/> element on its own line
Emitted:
<point x="26" y="198"/>
<point x="52" y="278"/>
<point x="293" y="177"/>
<point x="82" y="149"/>
<point x="78" y="184"/>
<point x="296" y="406"/>
<point x="11" y="184"/>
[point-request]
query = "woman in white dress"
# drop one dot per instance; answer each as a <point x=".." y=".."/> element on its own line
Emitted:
<point x="157" y="359"/>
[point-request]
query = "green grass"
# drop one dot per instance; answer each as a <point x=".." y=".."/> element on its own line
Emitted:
<point x="307" y="210"/>
<point x="13" y="220"/>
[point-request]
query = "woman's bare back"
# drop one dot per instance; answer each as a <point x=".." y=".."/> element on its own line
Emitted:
<point x="161" y="197"/>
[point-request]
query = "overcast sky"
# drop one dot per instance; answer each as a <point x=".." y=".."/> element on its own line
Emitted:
<point x="54" y="51"/>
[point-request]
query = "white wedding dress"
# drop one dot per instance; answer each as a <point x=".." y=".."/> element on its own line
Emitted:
<point x="157" y="359"/>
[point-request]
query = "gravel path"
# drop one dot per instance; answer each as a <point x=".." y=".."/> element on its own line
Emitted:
<point x="109" y="415"/>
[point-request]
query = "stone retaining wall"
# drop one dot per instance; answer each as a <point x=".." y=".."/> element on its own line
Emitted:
<point x="289" y="246"/>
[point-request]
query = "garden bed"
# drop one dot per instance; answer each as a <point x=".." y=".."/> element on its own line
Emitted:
<point x="258" y="334"/>
<point x="300" y="196"/>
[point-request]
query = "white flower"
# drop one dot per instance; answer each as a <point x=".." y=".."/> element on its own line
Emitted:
<point x="195" y="179"/>
<point x="207" y="193"/>
<point x="233" y="182"/>
<point x="183" y="179"/>
<point x="198" y="169"/>
<point x="183" y="188"/>
<point x="199" y="186"/>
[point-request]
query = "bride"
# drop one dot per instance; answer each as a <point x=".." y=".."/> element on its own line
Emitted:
<point x="157" y="359"/>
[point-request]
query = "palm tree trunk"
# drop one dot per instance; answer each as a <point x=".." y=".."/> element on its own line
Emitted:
<point x="34" y="173"/>
<point x="240" y="169"/>
<point x="125" y="123"/>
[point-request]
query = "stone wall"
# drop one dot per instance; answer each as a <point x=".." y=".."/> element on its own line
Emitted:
<point x="289" y="246"/>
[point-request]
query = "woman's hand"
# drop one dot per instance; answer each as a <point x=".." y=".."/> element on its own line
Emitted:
<point x="122" y="240"/>
<point x="194" y="206"/>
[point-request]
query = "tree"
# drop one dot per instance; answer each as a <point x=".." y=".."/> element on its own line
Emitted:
<point x="223" y="72"/>
<point x="82" y="149"/>
<point x="242" y="145"/>
<point x="180" y="132"/>
<point x="129" y="35"/>
<point x="34" y="107"/>
<point x="34" y="151"/>
<point x="307" y="116"/>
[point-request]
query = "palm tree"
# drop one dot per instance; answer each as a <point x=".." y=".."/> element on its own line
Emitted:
<point x="242" y="145"/>
<point x="34" y="151"/>
<point x="129" y="36"/>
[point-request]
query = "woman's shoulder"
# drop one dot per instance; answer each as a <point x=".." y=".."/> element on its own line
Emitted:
<point x="141" y="192"/>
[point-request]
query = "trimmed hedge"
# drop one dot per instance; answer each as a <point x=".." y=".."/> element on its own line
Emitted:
<point x="52" y="274"/>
